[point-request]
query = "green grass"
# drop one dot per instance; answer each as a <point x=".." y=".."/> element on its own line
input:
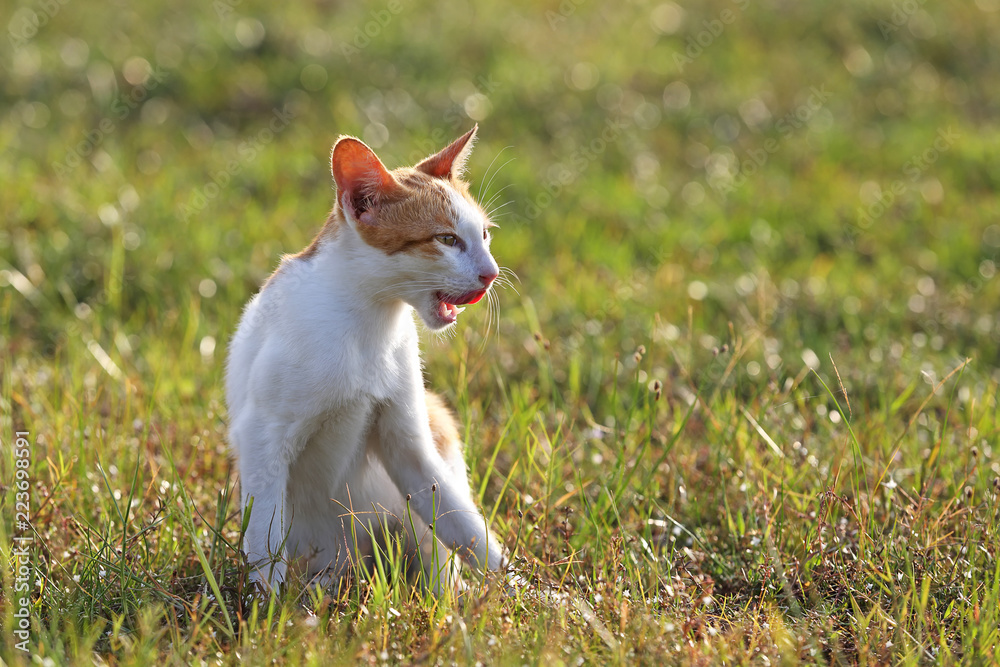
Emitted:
<point x="732" y="417"/>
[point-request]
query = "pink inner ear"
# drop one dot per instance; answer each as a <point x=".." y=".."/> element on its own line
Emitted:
<point x="354" y="165"/>
<point x="359" y="174"/>
<point x="451" y="159"/>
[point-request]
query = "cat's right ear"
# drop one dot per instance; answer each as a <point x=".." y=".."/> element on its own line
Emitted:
<point x="450" y="161"/>
<point x="362" y="180"/>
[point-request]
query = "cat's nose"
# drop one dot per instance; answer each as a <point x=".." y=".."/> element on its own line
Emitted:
<point x="487" y="278"/>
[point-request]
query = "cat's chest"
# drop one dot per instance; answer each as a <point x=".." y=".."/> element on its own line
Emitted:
<point x="359" y="365"/>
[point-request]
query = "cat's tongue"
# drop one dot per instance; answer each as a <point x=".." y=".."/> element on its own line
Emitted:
<point x="470" y="298"/>
<point x="464" y="299"/>
<point x="448" y="306"/>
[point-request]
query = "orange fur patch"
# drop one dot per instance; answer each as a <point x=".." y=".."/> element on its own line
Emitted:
<point x="411" y="221"/>
<point x="408" y="219"/>
<point x="329" y="230"/>
<point x="443" y="426"/>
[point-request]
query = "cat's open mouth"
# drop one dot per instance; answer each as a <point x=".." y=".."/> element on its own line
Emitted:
<point x="448" y="305"/>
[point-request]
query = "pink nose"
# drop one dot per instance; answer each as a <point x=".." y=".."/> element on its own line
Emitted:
<point x="488" y="278"/>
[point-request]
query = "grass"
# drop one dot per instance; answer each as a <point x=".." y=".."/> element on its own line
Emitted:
<point x="742" y="407"/>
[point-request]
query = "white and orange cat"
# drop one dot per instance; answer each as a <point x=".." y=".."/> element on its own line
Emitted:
<point x="334" y="434"/>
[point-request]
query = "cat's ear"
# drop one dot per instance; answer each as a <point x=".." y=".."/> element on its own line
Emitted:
<point x="363" y="182"/>
<point x="450" y="162"/>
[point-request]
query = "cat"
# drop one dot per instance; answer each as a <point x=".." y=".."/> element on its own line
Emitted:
<point x="335" y="438"/>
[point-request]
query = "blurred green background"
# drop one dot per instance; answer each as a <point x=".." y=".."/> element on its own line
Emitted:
<point x="823" y="173"/>
<point x="776" y="184"/>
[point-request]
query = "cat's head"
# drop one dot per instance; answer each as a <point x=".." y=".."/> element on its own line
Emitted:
<point x="430" y="239"/>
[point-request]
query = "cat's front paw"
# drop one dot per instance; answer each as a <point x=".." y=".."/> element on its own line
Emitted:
<point x="509" y="582"/>
<point x="267" y="579"/>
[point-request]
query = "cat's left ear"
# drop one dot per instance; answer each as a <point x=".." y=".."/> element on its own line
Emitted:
<point x="363" y="182"/>
<point x="450" y="162"/>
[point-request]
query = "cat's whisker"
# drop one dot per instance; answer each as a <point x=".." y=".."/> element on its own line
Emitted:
<point x="489" y="300"/>
<point x="405" y="286"/>
<point x="506" y="203"/>
<point x="496" y="196"/>
<point x="508" y="273"/>
<point x="499" y="169"/>
<point x="504" y="279"/>
<point x="496" y="314"/>
<point x="408" y="283"/>
<point x="479" y="195"/>
<point x="493" y="218"/>
<point x="490" y="305"/>
<point x="491" y="311"/>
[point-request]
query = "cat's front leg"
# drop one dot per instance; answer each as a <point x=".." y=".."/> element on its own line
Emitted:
<point x="406" y="449"/>
<point x="265" y="536"/>
<point x="263" y="482"/>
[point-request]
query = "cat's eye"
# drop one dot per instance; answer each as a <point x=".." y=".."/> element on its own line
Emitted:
<point x="449" y="240"/>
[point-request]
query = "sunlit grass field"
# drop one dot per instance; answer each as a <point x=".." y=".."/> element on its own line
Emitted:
<point x="741" y="408"/>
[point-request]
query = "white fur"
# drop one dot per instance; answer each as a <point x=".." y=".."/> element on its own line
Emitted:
<point x="327" y="413"/>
